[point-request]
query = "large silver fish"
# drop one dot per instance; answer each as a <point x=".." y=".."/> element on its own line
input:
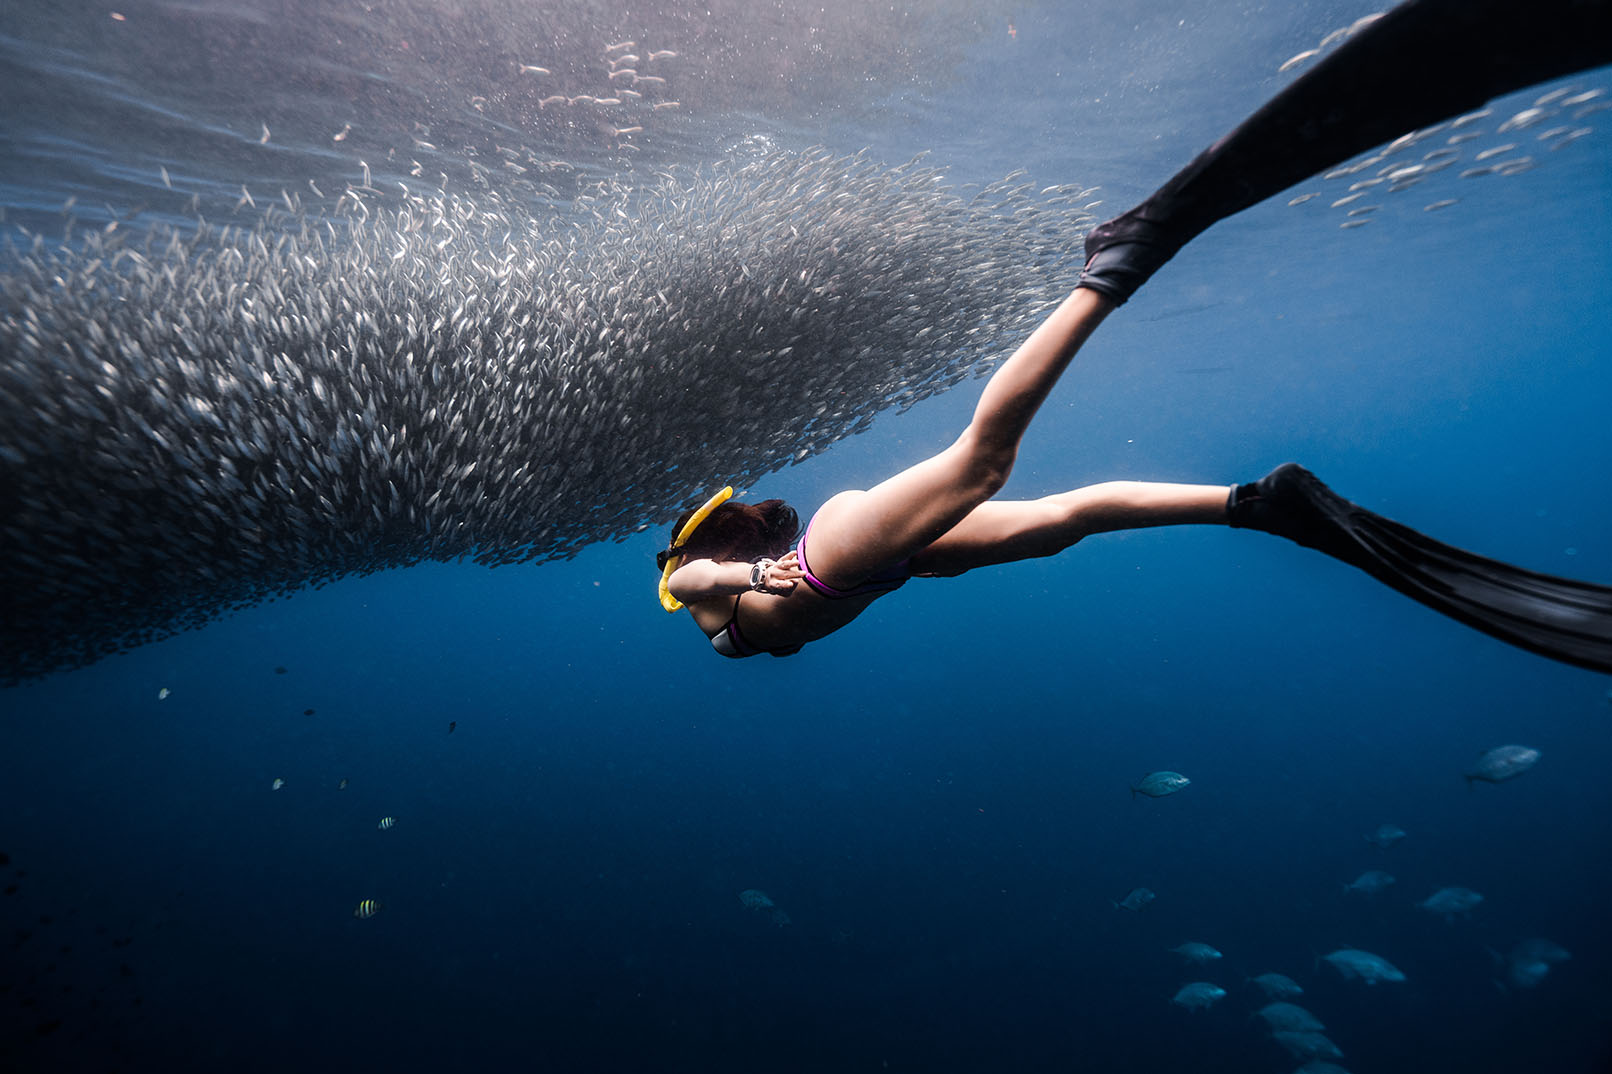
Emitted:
<point x="1386" y="835"/>
<point x="1193" y="951"/>
<point x="1370" y="882"/>
<point x="1451" y="902"/>
<point x="1277" y="986"/>
<point x="1503" y="763"/>
<point x="1290" y="1017"/>
<point x="1135" y="899"/>
<point x="1359" y="965"/>
<point x="1199" y="995"/>
<point x="1307" y="1045"/>
<point x="1529" y="961"/>
<point x="1160" y="784"/>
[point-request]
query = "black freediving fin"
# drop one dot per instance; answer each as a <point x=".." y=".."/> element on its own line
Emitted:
<point x="1560" y="618"/>
<point x="1423" y="61"/>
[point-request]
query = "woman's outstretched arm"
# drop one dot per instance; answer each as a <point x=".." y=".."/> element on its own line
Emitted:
<point x="857" y="533"/>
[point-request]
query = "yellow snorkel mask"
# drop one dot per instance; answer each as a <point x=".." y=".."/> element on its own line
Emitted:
<point x="667" y="601"/>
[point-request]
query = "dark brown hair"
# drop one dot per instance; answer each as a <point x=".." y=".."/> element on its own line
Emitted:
<point x="741" y="531"/>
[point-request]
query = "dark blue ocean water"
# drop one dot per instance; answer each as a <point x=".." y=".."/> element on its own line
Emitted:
<point x="937" y="796"/>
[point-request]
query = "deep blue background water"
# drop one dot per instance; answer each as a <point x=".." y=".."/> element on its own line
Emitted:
<point x="937" y="796"/>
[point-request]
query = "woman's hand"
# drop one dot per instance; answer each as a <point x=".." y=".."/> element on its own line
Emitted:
<point x="781" y="575"/>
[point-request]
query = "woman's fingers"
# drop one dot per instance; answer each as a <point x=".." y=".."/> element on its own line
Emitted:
<point x="784" y="572"/>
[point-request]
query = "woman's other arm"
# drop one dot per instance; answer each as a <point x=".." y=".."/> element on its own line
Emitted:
<point x="702" y="579"/>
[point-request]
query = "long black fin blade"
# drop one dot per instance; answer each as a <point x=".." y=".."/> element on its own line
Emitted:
<point x="1561" y="618"/>
<point x="1422" y="62"/>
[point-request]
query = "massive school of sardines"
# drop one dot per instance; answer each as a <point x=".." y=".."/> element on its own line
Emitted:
<point x="199" y="419"/>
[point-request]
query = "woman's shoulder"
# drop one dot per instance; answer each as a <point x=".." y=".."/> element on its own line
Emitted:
<point x="711" y="615"/>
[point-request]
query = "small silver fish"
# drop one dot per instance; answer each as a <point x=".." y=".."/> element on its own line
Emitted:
<point x="1362" y="22"/>
<point x="1571" y="136"/>
<point x="1523" y="120"/>
<point x="1294" y="61"/>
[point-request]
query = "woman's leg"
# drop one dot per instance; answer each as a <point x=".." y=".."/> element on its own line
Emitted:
<point x="857" y="533"/>
<point x="1004" y="531"/>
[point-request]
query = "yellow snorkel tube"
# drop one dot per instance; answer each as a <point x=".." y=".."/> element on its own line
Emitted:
<point x="667" y="601"/>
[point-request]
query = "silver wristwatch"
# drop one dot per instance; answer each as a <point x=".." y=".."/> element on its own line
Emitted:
<point x="758" y="574"/>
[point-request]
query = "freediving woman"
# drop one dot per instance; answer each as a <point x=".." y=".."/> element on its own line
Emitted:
<point x="751" y="588"/>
